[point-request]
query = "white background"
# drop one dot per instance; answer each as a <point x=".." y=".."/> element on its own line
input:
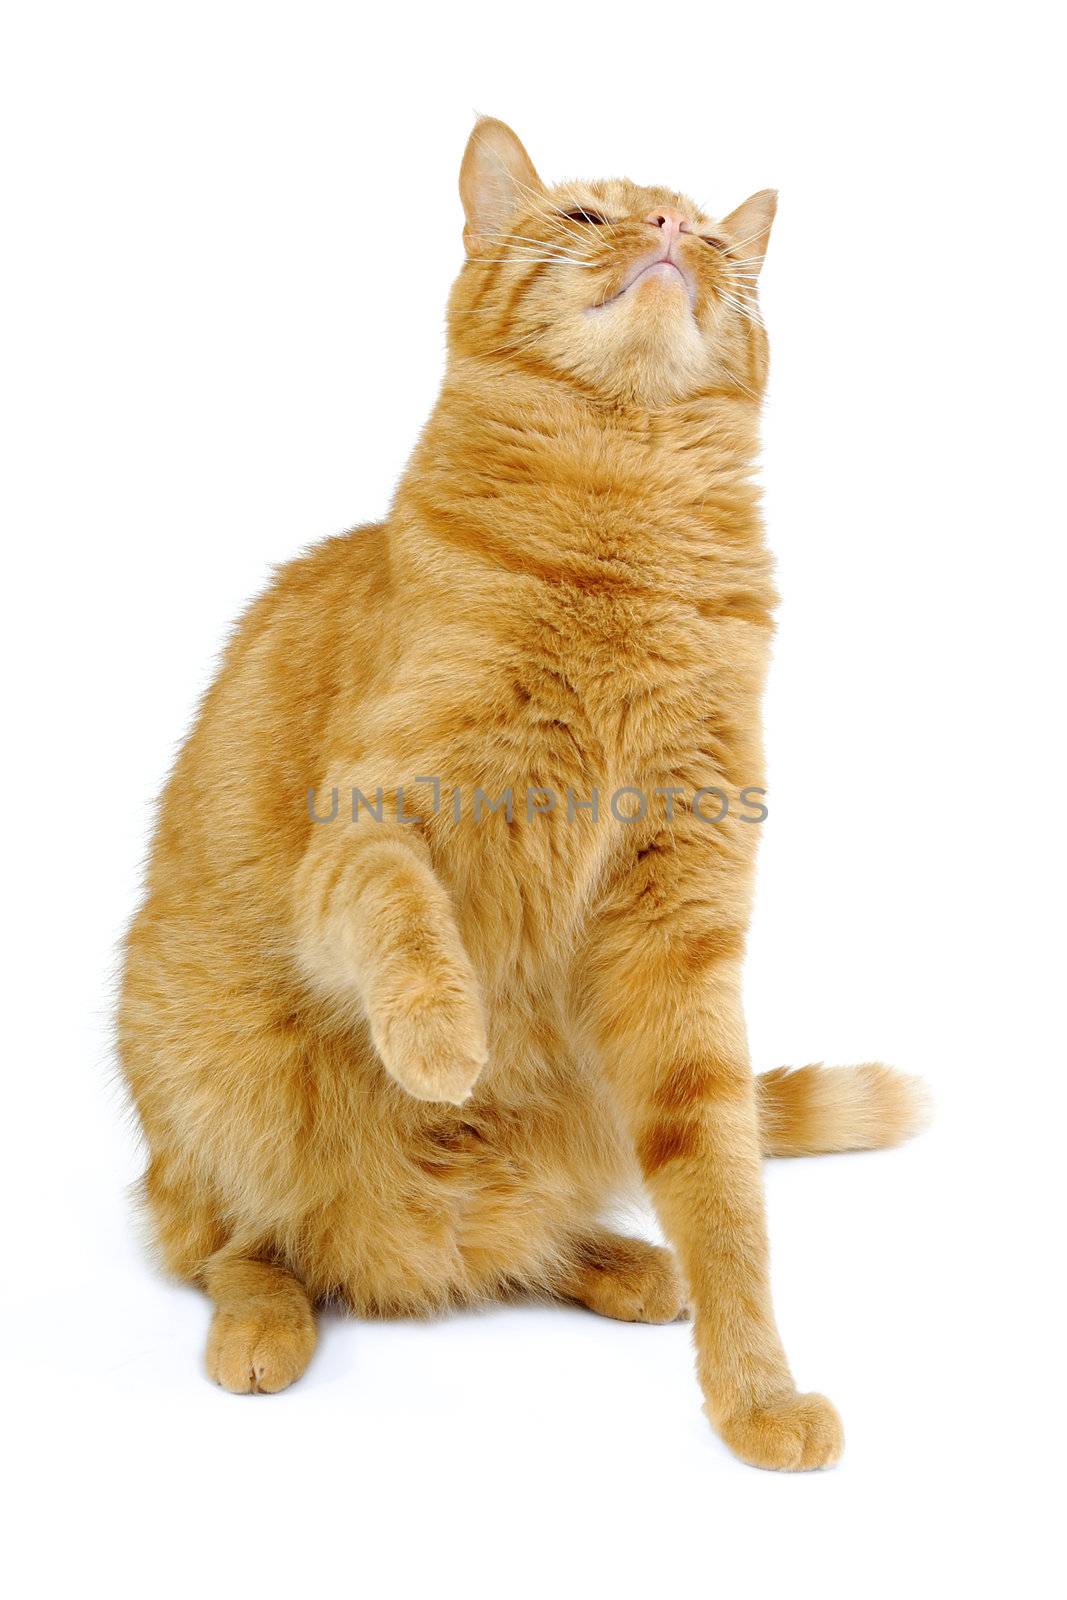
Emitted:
<point x="230" y="231"/>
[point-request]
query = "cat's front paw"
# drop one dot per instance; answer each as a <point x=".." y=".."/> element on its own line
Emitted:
<point x="797" y="1434"/>
<point x="259" y="1350"/>
<point x="435" y="1046"/>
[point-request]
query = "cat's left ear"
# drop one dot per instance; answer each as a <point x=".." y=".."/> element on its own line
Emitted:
<point x="748" y="228"/>
<point x="496" y="177"/>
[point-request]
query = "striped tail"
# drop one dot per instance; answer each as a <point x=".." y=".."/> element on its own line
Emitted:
<point x="812" y="1111"/>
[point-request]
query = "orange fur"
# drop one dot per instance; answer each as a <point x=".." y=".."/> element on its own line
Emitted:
<point x="410" y="1063"/>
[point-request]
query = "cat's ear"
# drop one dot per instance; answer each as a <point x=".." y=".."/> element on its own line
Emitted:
<point x="496" y="177"/>
<point x="749" y="227"/>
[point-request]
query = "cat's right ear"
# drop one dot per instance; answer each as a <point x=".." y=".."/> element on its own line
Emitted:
<point x="496" y="177"/>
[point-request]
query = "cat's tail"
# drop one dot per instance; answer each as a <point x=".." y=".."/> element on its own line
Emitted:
<point x="812" y="1111"/>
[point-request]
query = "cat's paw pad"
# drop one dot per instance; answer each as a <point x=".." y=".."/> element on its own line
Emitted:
<point x="258" y="1352"/>
<point x="798" y="1434"/>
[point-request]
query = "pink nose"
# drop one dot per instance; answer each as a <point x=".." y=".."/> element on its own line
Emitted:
<point x="670" y="221"/>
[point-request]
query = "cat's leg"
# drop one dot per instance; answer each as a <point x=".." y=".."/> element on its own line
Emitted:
<point x="263" y="1331"/>
<point x="185" y="1215"/>
<point x="661" y="996"/>
<point x="377" y="933"/>
<point x="624" y="1278"/>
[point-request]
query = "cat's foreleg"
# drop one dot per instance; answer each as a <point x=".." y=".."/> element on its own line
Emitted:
<point x="377" y="933"/>
<point x="660" y="992"/>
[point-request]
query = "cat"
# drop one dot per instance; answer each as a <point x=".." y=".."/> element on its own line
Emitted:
<point x="441" y="945"/>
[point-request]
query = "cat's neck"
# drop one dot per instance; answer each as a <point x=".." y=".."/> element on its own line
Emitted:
<point x="491" y="404"/>
<point x="517" y="460"/>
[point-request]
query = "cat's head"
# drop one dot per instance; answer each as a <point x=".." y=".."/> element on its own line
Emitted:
<point x="631" y="293"/>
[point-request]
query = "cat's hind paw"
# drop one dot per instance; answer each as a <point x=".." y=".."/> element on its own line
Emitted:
<point x="627" y="1279"/>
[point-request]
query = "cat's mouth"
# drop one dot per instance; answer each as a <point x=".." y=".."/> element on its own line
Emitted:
<point x="663" y="268"/>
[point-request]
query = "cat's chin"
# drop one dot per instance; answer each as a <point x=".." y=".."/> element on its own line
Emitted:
<point x="652" y="353"/>
<point x="657" y="365"/>
<point x="663" y="275"/>
<point x="657" y="278"/>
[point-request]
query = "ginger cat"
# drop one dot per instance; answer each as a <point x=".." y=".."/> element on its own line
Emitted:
<point x="398" y="1040"/>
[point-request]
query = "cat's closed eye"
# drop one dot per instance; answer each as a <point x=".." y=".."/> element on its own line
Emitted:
<point x="716" y="244"/>
<point x="581" y="215"/>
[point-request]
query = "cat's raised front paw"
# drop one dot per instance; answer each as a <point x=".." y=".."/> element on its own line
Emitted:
<point x="436" y="1049"/>
<point x="797" y="1434"/>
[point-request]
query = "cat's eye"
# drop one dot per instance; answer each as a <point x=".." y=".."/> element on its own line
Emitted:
<point x="716" y="244"/>
<point x="580" y="214"/>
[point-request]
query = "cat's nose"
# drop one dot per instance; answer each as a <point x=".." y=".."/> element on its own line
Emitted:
<point x="672" y="222"/>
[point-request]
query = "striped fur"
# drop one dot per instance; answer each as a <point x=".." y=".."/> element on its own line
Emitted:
<point x="814" y="1111"/>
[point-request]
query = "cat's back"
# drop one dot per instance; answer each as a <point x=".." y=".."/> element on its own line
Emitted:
<point x="232" y="817"/>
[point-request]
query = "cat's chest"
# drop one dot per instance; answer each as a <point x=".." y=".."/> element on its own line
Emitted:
<point x="591" y="707"/>
<point x="621" y="686"/>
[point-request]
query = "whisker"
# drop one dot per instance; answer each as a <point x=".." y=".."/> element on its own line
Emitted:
<point x="730" y="373"/>
<point x="743" y="283"/>
<point x="754" y="320"/>
<point x="745" y="291"/>
<point x="529" y="255"/>
<point x="738" y="244"/>
<point x="496" y="261"/>
<point x="525" y="252"/>
<point x="744" y="308"/>
<point x="526" y="238"/>
<point x="530" y="238"/>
